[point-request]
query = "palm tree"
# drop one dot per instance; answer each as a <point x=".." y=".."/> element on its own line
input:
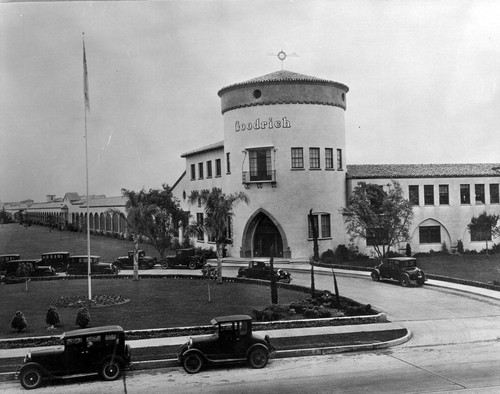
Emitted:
<point x="218" y="210"/>
<point x="138" y="214"/>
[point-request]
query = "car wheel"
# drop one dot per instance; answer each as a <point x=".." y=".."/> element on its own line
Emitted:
<point x="375" y="276"/>
<point x="193" y="363"/>
<point x="143" y="266"/>
<point x="421" y="280"/>
<point x="31" y="378"/>
<point x="258" y="358"/>
<point x="404" y="280"/>
<point x="164" y="264"/>
<point x="192" y="265"/>
<point x="111" y="370"/>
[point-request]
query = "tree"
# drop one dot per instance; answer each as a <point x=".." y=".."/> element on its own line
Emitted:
<point x="19" y="322"/>
<point x="381" y="217"/>
<point x="26" y="270"/>
<point x="138" y="214"/>
<point x="82" y="317"/>
<point x="218" y="209"/>
<point x="484" y="228"/>
<point x="163" y="225"/>
<point x="52" y="317"/>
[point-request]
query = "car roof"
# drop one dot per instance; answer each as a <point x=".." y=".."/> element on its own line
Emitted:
<point x="9" y="255"/>
<point x="24" y="261"/>
<point x="45" y="254"/>
<point x="83" y="255"/>
<point x="261" y="260"/>
<point x="91" y="331"/>
<point x="225" y="319"/>
<point x="402" y="258"/>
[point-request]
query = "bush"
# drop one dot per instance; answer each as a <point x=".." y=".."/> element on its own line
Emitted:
<point x="19" y="322"/>
<point x="83" y="318"/>
<point x="271" y="313"/>
<point x="52" y="316"/>
<point x="460" y="247"/>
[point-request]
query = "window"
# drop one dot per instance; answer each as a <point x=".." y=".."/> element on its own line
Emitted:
<point x="464" y="194"/>
<point x="209" y="169"/>
<point x="413" y="194"/>
<point x="326" y="231"/>
<point x="329" y="158"/>
<point x="494" y="196"/>
<point x="479" y="191"/>
<point x="297" y="158"/>
<point x="314" y="158"/>
<point x="200" y="170"/>
<point x="193" y="172"/>
<point x="430" y="234"/>
<point x="339" y="159"/>
<point x="477" y="235"/>
<point x="228" y="162"/>
<point x="444" y="195"/>
<point x="218" y="168"/>
<point x="199" y="220"/>
<point x="429" y="194"/>
<point x="260" y="165"/>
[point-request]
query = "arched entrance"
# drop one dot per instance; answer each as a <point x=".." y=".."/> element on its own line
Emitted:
<point x="263" y="234"/>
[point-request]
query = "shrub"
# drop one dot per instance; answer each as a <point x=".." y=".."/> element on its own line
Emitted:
<point x="19" y="322"/>
<point x="271" y="313"/>
<point x="444" y="248"/>
<point x="52" y="316"/>
<point x="408" y="250"/>
<point x="83" y="318"/>
<point x="460" y="246"/>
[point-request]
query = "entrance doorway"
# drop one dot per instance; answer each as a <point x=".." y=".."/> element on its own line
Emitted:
<point x="267" y="238"/>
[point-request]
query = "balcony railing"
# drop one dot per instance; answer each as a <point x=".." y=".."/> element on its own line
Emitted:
<point x="258" y="177"/>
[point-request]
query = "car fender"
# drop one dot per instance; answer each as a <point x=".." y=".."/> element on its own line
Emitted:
<point x="257" y="345"/>
<point x="118" y="359"/>
<point x="192" y="351"/>
<point x="44" y="372"/>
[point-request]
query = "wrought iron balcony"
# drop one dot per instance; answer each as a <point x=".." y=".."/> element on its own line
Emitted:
<point x="259" y="177"/>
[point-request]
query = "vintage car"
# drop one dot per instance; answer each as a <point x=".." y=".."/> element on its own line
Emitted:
<point x="184" y="258"/>
<point x="4" y="258"/>
<point x="261" y="269"/>
<point x="127" y="262"/>
<point x="100" y="350"/>
<point x="77" y="265"/>
<point x="402" y="269"/>
<point x="38" y="268"/>
<point x="233" y="341"/>
<point x="58" y="260"/>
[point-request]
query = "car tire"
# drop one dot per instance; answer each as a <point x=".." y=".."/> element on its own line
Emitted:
<point x="164" y="264"/>
<point x="111" y="370"/>
<point x="258" y="358"/>
<point x="192" y="265"/>
<point x="30" y="378"/>
<point x="375" y="276"/>
<point x="192" y="363"/>
<point x="404" y="280"/>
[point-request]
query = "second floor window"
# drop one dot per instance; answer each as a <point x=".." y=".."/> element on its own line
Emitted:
<point x="429" y="194"/>
<point x="444" y="197"/>
<point x="464" y="194"/>
<point x="413" y="194"/>
<point x="494" y="196"/>
<point x="329" y="158"/>
<point x="314" y="157"/>
<point x="200" y="170"/>
<point x="260" y="164"/>
<point x="297" y="158"/>
<point x="209" y="169"/>
<point x="193" y="172"/>
<point x="218" y="168"/>
<point x="339" y="159"/>
<point x="479" y="191"/>
<point x="228" y="162"/>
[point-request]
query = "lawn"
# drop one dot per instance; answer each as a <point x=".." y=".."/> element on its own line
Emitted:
<point x="154" y="303"/>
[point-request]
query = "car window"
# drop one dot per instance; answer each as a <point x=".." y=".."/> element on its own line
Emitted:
<point x="93" y="340"/>
<point x="73" y="343"/>
<point x="243" y="328"/>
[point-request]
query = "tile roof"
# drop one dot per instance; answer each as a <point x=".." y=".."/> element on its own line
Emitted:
<point x="208" y="148"/>
<point x="358" y="171"/>
<point x="104" y="202"/>
<point x="283" y="76"/>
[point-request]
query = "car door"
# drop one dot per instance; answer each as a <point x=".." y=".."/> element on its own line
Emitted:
<point x="76" y="356"/>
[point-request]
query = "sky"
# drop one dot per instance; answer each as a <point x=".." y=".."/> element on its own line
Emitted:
<point x="423" y="79"/>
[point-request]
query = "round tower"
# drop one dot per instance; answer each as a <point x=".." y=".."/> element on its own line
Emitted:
<point x="284" y="146"/>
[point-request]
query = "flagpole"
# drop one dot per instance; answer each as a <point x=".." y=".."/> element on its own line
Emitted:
<point x="85" y="107"/>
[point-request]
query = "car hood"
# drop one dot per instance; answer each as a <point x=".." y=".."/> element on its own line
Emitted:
<point x="203" y="339"/>
<point x="42" y="353"/>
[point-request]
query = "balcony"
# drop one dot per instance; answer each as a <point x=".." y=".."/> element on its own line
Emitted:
<point x="258" y="178"/>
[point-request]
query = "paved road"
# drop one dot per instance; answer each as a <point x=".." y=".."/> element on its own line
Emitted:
<point x="455" y="347"/>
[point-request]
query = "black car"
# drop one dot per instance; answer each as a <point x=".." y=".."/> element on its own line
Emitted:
<point x="127" y="262"/>
<point x="184" y="258"/>
<point x="58" y="260"/>
<point x="37" y="268"/>
<point x="100" y="350"/>
<point x="260" y="269"/>
<point x="402" y="269"/>
<point x="4" y="258"/>
<point x="233" y="341"/>
<point x="77" y="265"/>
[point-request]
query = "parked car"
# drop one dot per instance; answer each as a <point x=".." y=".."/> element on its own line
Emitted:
<point x="127" y="262"/>
<point x="58" y="260"/>
<point x="100" y="350"/>
<point x="261" y="269"/>
<point x="78" y="265"/>
<point x="402" y="269"/>
<point x="39" y="269"/>
<point x="232" y="341"/>
<point x="185" y="258"/>
<point x="4" y="258"/>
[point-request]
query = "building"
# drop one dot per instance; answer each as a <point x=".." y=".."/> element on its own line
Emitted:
<point x="284" y="146"/>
